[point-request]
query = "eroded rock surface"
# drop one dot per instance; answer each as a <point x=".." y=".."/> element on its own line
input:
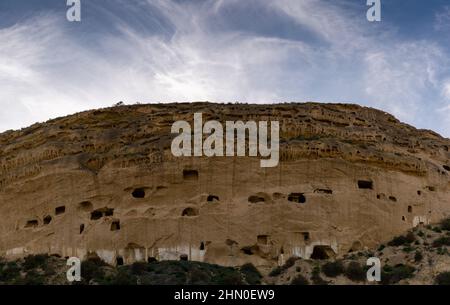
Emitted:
<point x="106" y="182"/>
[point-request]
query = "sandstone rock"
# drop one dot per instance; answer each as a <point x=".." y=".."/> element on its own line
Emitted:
<point x="105" y="182"/>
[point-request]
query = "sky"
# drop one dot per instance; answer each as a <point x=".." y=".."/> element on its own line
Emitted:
<point x="253" y="51"/>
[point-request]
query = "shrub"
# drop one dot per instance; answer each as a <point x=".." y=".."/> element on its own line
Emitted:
<point x="443" y="278"/>
<point x="333" y="269"/>
<point x="398" y="241"/>
<point x="441" y="241"/>
<point x="445" y="224"/>
<point x="35" y="261"/>
<point x="289" y="263"/>
<point x="9" y="272"/>
<point x="138" y="268"/>
<point x="252" y="275"/>
<point x="276" y="271"/>
<point x="123" y="277"/>
<point x="91" y="269"/>
<point x="418" y="256"/>
<point x="392" y="275"/>
<point x="355" y="272"/>
<point x="437" y="230"/>
<point x="299" y="280"/>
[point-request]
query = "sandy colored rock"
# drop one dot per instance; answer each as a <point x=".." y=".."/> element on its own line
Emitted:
<point x="105" y="181"/>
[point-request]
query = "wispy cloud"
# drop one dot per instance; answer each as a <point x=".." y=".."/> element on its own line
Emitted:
<point x="197" y="52"/>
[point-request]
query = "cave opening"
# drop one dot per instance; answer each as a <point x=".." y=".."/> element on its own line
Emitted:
<point x="322" y="252"/>
<point x="297" y="197"/>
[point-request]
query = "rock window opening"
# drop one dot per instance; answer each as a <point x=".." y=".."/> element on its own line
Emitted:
<point x="85" y="206"/>
<point x="365" y="184"/>
<point x="212" y="198"/>
<point x="297" y="197"/>
<point x="431" y="188"/>
<point x="184" y="257"/>
<point x="115" y="225"/>
<point x="189" y="174"/>
<point x="96" y="215"/>
<point x="263" y="239"/>
<point x="31" y="223"/>
<point x="189" y="212"/>
<point x="81" y="228"/>
<point x="119" y="261"/>
<point x="305" y="236"/>
<point x="202" y="246"/>
<point x="247" y="250"/>
<point x="47" y="219"/>
<point x="392" y="198"/>
<point x="322" y="252"/>
<point x="138" y="193"/>
<point x="60" y="210"/>
<point x="256" y="199"/>
<point x="151" y="259"/>
<point x="446" y="167"/>
<point x="419" y="193"/>
<point x="403" y="218"/>
<point x="409" y="209"/>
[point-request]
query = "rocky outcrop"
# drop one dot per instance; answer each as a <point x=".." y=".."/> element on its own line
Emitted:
<point x="106" y="182"/>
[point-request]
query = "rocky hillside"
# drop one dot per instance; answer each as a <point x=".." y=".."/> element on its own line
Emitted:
<point x="104" y="183"/>
<point x="419" y="257"/>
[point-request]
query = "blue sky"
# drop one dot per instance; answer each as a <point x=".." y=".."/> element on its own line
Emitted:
<point x="259" y="51"/>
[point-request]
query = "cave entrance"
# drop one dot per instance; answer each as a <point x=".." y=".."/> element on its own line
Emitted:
<point x="322" y="252"/>
<point x="297" y="197"/>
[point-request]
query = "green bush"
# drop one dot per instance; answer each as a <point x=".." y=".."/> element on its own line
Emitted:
<point x="252" y="275"/>
<point x="418" y="256"/>
<point x="92" y="269"/>
<point x="276" y="271"/>
<point x="289" y="263"/>
<point x="441" y="241"/>
<point x="443" y="278"/>
<point x="35" y="261"/>
<point x="445" y="224"/>
<point x="392" y="275"/>
<point x="402" y="240"/>
<point x="124" y="277"/>
<point x="299" y="280"/>
<point x="355" y="272"/>
<point x="9" y="272"/>
<point x="333" y="269"/>
<point x="139" y="268"/>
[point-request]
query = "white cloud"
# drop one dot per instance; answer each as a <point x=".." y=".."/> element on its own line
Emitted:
<point x="45" y="73"/>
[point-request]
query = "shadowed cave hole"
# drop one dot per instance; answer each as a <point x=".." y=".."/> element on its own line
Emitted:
<point x="365" y="184"/>
<point x="60" y="210"/>
<point x="47" y="219"/>
<point x="189" y="212"/>
<point x="184" y="257"/>
<point x="99" y="213"/>
<point x="202" y="246"/>
<point x="190" y="174"/>
<point x="81" y="228"/>
<point x="119" y="261"/>
<point x="256" y="199"/>
<point x="322" y="252"/>
<point x="32" y="223"/>
<point x="212" y="198"/>
<point x="138" y="193"/>
<point x="392" y="198"/>
<point x="247" y="250"/>
<point x="446" y="167"/>
<point x="85" y="206"/>
<point x="297" y="197"/>
<point x="409" y="209"/>
<point x="262" y="239"/>
<point x="115" y="225"/>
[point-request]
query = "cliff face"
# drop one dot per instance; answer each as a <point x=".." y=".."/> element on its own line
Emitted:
<point x="106" y="182"/>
